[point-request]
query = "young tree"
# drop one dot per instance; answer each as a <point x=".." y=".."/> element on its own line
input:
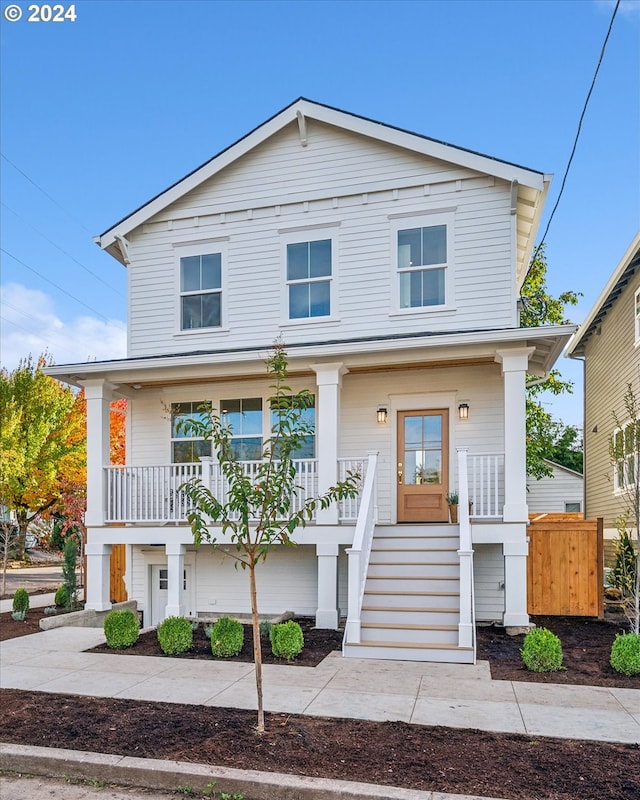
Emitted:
<point x="624" y="452"/>
<point x="9" y="533"/>
<point x="42" y="442"/>
<point x="541" y="308"/>
<point x="257" y="512"/>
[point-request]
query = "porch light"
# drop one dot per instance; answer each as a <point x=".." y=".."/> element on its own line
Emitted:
<point x="463" y="411"/>
<point x="382" y="415"/>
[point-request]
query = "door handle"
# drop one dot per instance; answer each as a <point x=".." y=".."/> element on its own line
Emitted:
<point x="400" y="472"/>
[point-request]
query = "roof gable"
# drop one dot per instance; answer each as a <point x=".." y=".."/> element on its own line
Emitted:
<point x="529" y="186"/>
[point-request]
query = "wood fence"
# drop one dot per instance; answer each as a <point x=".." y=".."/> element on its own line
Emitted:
<point x="117" y="589"/>
<point x="565" y="575"/>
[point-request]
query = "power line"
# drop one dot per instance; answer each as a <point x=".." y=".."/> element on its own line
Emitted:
<point x="64" y="252"/>
<point x="577" y="136"/>
<point x="44" y="278"/>
<point x="46" y="194"/>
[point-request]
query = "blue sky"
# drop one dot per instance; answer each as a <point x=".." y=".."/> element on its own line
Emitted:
<point x="104" y="112"/>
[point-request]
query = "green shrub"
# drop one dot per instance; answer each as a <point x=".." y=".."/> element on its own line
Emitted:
<point x="21" y="600"/>
<point x="625" y="653"/>
<point x="18" y="616"/>
<point x="50" y="610"/>
<point x="61" y="597"/>
<point x="227" y="637"/>
<point x="265" y="628"/>
<point x="542" y="651"/>
<point x="287" y="640"/>
<point x="121" y="629"/>
<point x="175" y="635"/>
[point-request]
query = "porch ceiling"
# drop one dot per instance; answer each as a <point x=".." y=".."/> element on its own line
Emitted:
<point x="420" y="350"/>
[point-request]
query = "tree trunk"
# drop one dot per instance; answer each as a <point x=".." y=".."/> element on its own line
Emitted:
<point x="20" y="544"/>
<point x="257" y="646"/>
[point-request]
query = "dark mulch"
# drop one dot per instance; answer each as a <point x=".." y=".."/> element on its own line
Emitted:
<point x="435" y="759"/>
<point x="391" y="753"/>
<point x="318" y="645"/>
<point x="11" y="628"/>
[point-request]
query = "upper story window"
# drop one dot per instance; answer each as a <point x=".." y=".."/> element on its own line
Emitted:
<point x="422" y="264"/>
<point x="637" y="316"/>
<point x="185" y="448"/>
<point x="243" y="418"/>
<point x="626" y="451"/>
<point x="201" y="291"/>
<point x="309" y="276"/>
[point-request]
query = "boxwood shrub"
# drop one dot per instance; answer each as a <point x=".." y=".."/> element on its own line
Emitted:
<point x="227" y="637"/>
<point x="21" y="600"/>
<point x="542" y="651"/>
<point x="287" y="640"/>
<point x="625" y="653"/>
<point x="121" y="628"/>
<point x="175" y="635"/>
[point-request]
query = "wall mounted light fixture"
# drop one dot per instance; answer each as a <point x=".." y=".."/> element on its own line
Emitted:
<point x="463" y="411"/>
<point x="382" y="415"/>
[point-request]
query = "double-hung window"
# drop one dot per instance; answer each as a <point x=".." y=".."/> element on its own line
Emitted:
<point x="243" y="419"/>
<point x="626" y="454"/>
<point x="201" y="291"/>
<point x="185" y="447"/>
<point x="309" y="276"/>
<point x="422" y="260"/>
<point x="306" y="430"/>
<point x="637" y="316"/>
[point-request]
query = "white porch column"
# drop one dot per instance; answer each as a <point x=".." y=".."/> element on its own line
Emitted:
<point x="327" y="613"/>
<point x="98" y="394"/>
<point x="514" y="370"/>
<point x="515" y="584"/>
<point x="329" y="381"/>
<point x="98" y="577"/>
<point x="175" y="567"/>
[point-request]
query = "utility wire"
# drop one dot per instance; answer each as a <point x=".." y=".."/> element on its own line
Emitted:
<point x="64" y="252"/>
<point x="577" y="136"/>
<point x="46" y="194"/>
<point x="40" y="275"/>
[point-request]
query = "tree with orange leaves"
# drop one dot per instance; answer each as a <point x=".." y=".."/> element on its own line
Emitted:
<point x="42" y="442"/>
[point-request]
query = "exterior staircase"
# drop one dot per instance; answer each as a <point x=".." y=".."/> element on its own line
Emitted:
<point x="411" y="605"/>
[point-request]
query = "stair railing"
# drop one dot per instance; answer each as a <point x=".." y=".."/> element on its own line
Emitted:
<point x="360" y="552"/>
<point x="466" y="626"/>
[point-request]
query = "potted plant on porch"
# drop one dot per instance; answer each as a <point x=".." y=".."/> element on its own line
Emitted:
<point x="452" y="501"/>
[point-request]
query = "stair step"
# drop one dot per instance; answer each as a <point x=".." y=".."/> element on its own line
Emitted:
<point x="400" y="583"/>
<point x="414" y="616"/>
<point x="395" y="570"/>
<point x="412" y="609"/>
<point x="409" y="626"/>
<point x="394" y="651"/>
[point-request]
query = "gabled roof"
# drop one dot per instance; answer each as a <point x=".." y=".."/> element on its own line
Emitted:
<point x="530" y="185"/>
<point x="623" y="273"/>
<point x="562" y="468"/>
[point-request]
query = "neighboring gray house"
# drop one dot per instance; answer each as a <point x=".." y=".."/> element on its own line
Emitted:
<point x="391" y="266"/>
<point x="560" y="492"/>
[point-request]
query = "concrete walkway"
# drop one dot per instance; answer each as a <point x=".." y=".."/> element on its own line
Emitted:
<point x="454" y="695"/>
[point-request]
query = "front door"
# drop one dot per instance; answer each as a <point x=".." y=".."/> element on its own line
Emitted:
<point x="160" y="591"/>
<point x="422" y="465"/>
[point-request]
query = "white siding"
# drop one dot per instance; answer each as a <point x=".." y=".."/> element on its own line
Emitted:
<point x="340" y="179"/>
<point x="488" y="565"/>
<point x="549" y="495"/>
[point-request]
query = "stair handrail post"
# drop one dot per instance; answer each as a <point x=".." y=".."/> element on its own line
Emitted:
<point x="466" y="636"/>
<point x="359" y="553"/>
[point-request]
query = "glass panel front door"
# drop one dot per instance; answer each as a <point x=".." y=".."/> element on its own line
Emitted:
<point x="423" y="456"/>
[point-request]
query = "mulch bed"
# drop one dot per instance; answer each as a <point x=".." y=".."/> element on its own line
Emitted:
<point x="435" y="759"/>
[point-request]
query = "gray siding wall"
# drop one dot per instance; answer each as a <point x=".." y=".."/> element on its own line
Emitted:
<point x="549" y="495"/>
<point x="356" y="186"/>
<point x="612" y="362"/>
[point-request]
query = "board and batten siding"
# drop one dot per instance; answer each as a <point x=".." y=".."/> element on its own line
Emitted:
<point x="551" y="493"/>
<point x="612" y="361"/>
<point x="358" y="189"/>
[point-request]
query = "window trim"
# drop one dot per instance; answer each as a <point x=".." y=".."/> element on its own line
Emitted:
<point x="636" y="311"/>
<point x="312" y="233"/>
<point x="204" y="248"/>
<point x="421" y="219"/>
<point x="618" y="487"/>
<point x="173" y="439"/>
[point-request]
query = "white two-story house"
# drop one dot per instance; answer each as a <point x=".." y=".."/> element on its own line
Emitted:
<point x="390" y="264"/>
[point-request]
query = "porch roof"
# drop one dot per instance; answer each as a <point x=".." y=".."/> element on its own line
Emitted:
<point x="456" y="348"/>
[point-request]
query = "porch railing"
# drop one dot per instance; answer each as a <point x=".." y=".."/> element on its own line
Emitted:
<point x="485" y="480"/>
<point x="360" y="553"/>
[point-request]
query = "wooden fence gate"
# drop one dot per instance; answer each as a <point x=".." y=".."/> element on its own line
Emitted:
<point x="565" y="575"/>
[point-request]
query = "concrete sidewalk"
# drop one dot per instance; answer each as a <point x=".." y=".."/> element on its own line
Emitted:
<point x="454" y="695"/>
